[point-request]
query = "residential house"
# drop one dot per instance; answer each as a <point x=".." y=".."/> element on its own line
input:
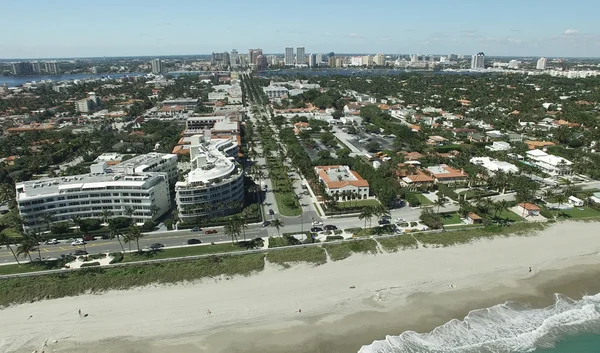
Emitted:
<point x="548" y="163"/>
<point x="446" y="175"/>
<point x="526" y="209"/>
<point x="497" y="146"/>
<point x="493" y="165"/>
<point x="340" y="181"/>
<point x="473" y="218"/>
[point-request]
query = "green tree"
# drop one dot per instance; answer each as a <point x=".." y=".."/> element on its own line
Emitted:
<point x="115" y="233"/>
<point x="8" y="242"/>
<point x="277" y="224"/>
<point x="135" y="234"/>
<point x="365" y="213"/>
<point x="27" y="246"/>
<point x="232" y="229"/>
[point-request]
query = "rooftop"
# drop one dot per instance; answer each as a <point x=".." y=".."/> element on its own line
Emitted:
<point x="443" y="171"/>
<point x="339" y="176"/>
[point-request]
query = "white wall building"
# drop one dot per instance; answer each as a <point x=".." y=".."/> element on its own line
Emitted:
<point x="156" y="66"/>
<point x="478" y="61"/>
<point x="493" y="165"/>
<point x="300" y="56"/>
<point x="379" y="60"/>
<point x="144" y="163"/>
<point x="215" y="187"/>
<point x="498" y="146"/>
<point x="275" y="91"/>
<point x="548" y="163"/>
<point x="339" y="179"/>
<point x="541" y="64"/>
<point x="88" y="195"/>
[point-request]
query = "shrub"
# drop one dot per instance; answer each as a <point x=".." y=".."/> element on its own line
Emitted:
<point x="121" y="222"/>
<point x="97" y="256"/>
<point x="169" y="224"/>
<point x="89" y="224"/>
<point x="117" y="257"/>
<point x="89" y="264"/>
<point x="334" y="237"/>
<point x="61" y="228"/>
<point x="312" y="254"/>
<point x="412" y="199"/>
<point x="148" y="226"/>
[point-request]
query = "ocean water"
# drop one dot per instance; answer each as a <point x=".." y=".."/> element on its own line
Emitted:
<point x="566" y="326"/>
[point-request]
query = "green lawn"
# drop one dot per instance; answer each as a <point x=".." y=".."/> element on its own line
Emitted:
<point x="14" y="269"/>
<point x="185" y="251"/>
<point x="284" y="210"/>
<point x="510" y="215"/>
<point x="423" y="200"/>
<point x="357" y="203"/>
<point x="448" y="219"/>
<point x="578" y="212"/>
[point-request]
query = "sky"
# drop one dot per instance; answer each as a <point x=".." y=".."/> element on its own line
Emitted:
<point x="69" y="28"/>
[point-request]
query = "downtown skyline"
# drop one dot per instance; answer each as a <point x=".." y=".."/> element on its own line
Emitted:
<point x="153" y="28"/>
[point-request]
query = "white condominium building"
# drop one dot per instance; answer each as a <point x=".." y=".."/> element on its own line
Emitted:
<point x="215" y="187"/>
<point x="541" y="64"/>
<point x="288" y="56"/>
<point x="88" y="195"/>
<point x="149" y="162"/>
<point x="548" y="163"/>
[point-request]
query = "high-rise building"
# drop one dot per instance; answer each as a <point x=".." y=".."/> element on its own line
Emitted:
<point x="541" y="64"/>
<point x="319" y="58"/>
<point x="22" y="68"/>
<point x="261" y="62"/>
<point x="478" y="61"/>
<point x="331" y="61"/>
<point x="51" y="67"/>
<point x="379" y="60"/>
<point x="220" y="59"/>
<point x="234" y="58"/>
<point x="253" y="56"/>
<point x="36" y="67"/>
<point x="300" y="56"/>
<point x="288" y="56"/>
<point x="367" y="60"/>
<point x="513" y="64"/>
<point x="414" y="58"/>
<point x="156" y="66"/>
<point x="312" y="60"/>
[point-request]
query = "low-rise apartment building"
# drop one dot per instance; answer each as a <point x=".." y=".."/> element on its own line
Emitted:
<point x="149" y="162"/>
<point x="339" y="179"/>
<point x="446" y="175"/>
<point x="89" y="195"/>
<point x="493" y="165"/>
<point x="215" y="187"/>
<point x="549" y="164"/>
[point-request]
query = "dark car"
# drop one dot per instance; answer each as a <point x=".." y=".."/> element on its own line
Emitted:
<point x="80" y="252"/>
<point x="266" y="223"/>
<point x="210" y="231"/>
<point x="193" y="241"/>
<point x="330" y="227"/>
<point x="196" y="229"/>
<point x="157" y="246"/>
<point x="89" y="237"/>
<point x="316" y="229"/>
<point x="383" y="222"/>
<point x="271" y="212"/>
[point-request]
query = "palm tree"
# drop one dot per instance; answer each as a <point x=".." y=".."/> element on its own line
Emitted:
<point x="115" y="233"/>
<point x="243" y="224"/>
<point x="365" y="213"/>
<point x="106" y="216"/>
<point x="440" y="201"/>
<point x="232" y="229"/>
<point x="463" y="207"/>
<point x="587" y="194"/>
<point x="26" y="247"/>
<point x="277" y="223"/>
<point x="8" y="241"/>
<point x="129" y="211"/>
<point x="35" y="238"/>
<point x="134" y="233"/>
<point x="154" y="210"/>
<point x="77" y="222"/>
<point x="500" y="207"/>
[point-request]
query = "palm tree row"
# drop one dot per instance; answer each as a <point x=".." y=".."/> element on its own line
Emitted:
<point x="235" y="227"/>
<point x="368" y="212"/>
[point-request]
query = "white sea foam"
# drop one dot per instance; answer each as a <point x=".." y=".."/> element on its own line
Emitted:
<point x="503" y="328"/>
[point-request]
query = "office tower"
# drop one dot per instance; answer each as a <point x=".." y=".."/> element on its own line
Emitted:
<point x="288" y="56"/>
<point x="367" y="60"/>
<point x="156" y="66"/>
<point x="22" y="68"/>
<point x="319" y="58"/>
<point x="51" y="67"/>
<point x="253" y="57"/>
<point x="331" y="61"/>
<point x="414" y="58"/>
<point x="220" y="59"/>
<point x="312" y="60"/>
<point x="379" y="60"/>
<point x="331" y="55"/>
<point x="234" y="58"/>
<point x="35" y="66"/>
<point x="300" y="56"/>
<point x="478" y="61"/>
<point x="541" y="64"/>
<point x="513" y="64"/>
<point x="261" y="62"/>
<point x="226" y="59"/>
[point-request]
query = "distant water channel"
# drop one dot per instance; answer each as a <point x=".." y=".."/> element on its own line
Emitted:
<point x="14" y="81"/>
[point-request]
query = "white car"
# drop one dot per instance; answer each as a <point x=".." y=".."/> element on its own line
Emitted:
<point x="78" y="242"/>
<point x="400" y="220"/>
<point x="317" y="223"/>
<point x="51" y="242"/>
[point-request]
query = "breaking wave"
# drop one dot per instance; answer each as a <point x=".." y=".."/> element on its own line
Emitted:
<point x="503" y="328"/>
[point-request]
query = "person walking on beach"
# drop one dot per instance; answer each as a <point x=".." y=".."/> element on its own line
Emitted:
<point x="529" y="268"/>
<point x="208" y="312"/>
<point x="79" y="312"/>
<point x="299" y="311"/>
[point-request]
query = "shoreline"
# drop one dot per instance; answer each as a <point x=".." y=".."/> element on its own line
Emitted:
<point x="395" y="292"/>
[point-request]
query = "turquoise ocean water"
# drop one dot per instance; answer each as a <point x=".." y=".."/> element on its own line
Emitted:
<point x="567" y="326"/>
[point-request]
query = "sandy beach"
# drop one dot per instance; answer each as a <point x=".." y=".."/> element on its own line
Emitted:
<point x="409" y="290"/>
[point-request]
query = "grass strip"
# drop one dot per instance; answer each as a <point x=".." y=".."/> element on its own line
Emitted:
<point x="468" y="235"/>
<point x="98" y="280"/>
<point x="313" y="254"/>
<point x="341" y="251"/>
<point x="394" y="244"/>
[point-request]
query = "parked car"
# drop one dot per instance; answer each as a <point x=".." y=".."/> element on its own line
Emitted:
<point x="399" y="220"/>
<point x="196" y="229"/>
<point x="383" y="222"/>
<point x="330" y="227"/>
<point x="80" y="252"/>
<point x="78" y="242"/>
<point x="193" y="241"/>
<point x="387" y="218"/>
<point x="266" y="223"/>
<point x="271" y="212"/>
<point x="210" y="231"/>
<point x="89" y="237"/>
<point x="51" y="242"/>
<point x="317" y="223"/>
<point x="316" y="229"/>
<point x="157" y="246"/>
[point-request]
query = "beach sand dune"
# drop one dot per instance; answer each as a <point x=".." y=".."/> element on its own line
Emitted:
<point x="409" y="290"/>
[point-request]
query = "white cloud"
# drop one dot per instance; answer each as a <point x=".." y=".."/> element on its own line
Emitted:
<point x="570" y="32"/>
<point x="356" y="36"/>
